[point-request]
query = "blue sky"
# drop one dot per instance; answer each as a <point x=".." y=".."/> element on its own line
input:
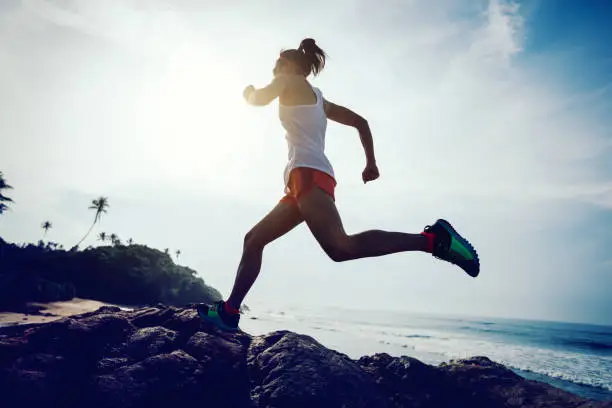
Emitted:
<point x="493" y="115"/>
<point x="577" y="35"/>
<point x="578" y="32"/>
<point x="562" y="24"/>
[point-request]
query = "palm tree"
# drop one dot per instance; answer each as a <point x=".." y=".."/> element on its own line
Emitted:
<point x="100" y="205"/>
<point x="113" y="238"/>
<point x="178" y="254"/>
<point x="47" y="225"/>
<point x="102" y="236"/>
<point x="3" y="198"/>
<point x="130" y="241"/>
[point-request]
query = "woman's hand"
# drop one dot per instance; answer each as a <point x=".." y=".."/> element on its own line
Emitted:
<point x="370" y="173"/>
<point x="248" y="91"/>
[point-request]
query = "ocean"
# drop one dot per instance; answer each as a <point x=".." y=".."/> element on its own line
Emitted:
<point x="570" y="356"/>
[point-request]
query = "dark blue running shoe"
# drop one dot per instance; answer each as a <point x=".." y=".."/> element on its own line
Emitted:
<point x="451" y="247"/>
<point x="217" y="315"/>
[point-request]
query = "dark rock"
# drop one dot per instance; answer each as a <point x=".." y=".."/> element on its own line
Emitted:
<point x="487" y="380"/>
<point x="408" y="382"/>
<point x="184" y="321"/>
<point x="226" y="357"/>
<point x="151" y="316"/>
<point x="101" y="310"/>
<point x="150" y="341"/>
<point x="10" y="349"/>
<point x="160" y="356"/>
<point x="39" y="361"/>
<point x="595" y="404"/>
<point x="164" y="379"/>
<point x="222" y="361"/>
<point x="108" y="364"/>
<point x="291" y="370"/>
<point x="84" y="338"/>
<point x="28" y="388"/>
<point x="209" y="347"/>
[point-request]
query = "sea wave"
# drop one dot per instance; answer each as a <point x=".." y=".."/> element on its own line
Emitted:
<point x="485" y="323"/>
<point x="483" y="330"/>
<point x="576" y="379"/>
<point x="588" y="344"/>
<point x="402" y="334"/>
<point x="417" y="336"/>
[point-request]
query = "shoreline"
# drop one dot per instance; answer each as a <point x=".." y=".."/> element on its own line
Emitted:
<point x="50" y="311"/>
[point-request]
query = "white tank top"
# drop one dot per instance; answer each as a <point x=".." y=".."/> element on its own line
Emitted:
<point x="305" y="127"/>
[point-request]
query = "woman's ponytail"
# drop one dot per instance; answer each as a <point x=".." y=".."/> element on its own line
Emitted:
<point x="314" y="57"/>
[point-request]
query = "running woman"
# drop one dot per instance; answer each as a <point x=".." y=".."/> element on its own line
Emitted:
<point x="310" y="182"/>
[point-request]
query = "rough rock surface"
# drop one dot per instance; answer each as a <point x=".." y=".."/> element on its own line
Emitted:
<point x="160" y="356"/>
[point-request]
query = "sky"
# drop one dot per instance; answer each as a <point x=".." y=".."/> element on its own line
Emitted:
<point x="491" y="114"/>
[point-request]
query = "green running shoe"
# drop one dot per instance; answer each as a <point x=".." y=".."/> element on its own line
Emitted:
<point x="217" y="315"/>
<point x="452" y="247"/>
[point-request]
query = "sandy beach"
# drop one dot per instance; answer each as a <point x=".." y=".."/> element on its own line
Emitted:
<point x="51" y="311"/>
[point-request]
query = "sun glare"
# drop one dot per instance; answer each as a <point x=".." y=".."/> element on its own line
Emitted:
<point x="201" y="117"/>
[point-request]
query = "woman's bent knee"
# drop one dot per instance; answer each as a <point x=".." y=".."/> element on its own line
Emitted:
<point x="338" y="253"/>
<point x="252" y="242"/>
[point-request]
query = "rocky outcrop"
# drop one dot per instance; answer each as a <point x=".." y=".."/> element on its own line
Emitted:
<point x="165" y="356"/>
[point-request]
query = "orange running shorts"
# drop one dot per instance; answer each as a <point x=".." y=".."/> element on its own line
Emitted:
<point x="303" y="179"/>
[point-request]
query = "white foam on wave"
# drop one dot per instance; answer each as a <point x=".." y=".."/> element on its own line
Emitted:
<point x="577" y="369"/>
